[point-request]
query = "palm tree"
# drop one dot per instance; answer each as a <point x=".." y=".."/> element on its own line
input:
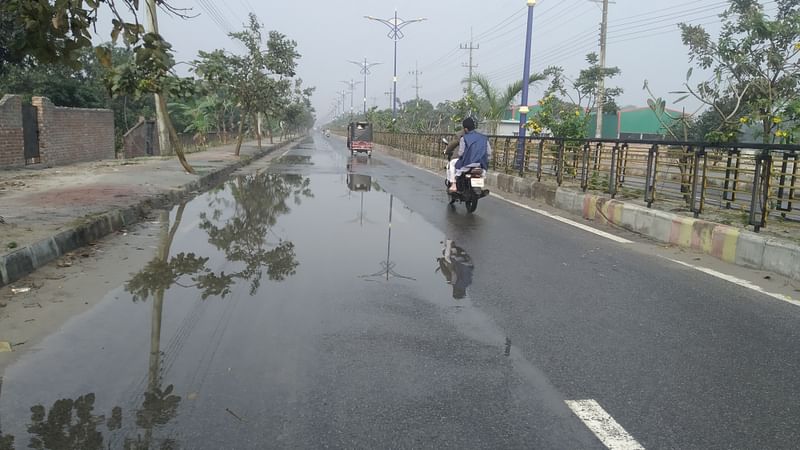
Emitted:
<point x="494" y="102"/>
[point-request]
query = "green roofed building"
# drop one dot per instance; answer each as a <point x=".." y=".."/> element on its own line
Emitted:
<point x="632" y="123"/>
<point x="627" y="123"/>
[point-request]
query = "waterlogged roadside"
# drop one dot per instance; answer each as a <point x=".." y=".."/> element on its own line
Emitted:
<point x="299" y="305"/>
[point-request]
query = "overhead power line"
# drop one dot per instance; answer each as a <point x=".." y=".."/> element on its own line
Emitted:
<point x="653" y="23"/>
<point x="215" y="16"/>
<point x="519" y="13"/>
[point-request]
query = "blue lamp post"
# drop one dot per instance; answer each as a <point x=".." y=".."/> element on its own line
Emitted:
<point x="395" y="24"/>
<point x="526" y="73"/>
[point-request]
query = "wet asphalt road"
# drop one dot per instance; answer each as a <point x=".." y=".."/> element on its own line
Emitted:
<point x="282" y="310"/>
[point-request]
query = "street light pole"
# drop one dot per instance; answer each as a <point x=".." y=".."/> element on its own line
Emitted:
<point x="365" y="66"/>
<point x="395" y="24"/>
<point x="526" y="73"/>
<point x="352" y="83"/>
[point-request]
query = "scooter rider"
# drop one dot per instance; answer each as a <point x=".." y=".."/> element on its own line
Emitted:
<point x="473" y="151"/>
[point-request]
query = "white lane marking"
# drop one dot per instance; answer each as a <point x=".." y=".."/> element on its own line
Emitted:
<point x="565" y="220"/>
<point x="738" y="281"/>
<point x="284" y="153"/>
<point x="610" y="433"/>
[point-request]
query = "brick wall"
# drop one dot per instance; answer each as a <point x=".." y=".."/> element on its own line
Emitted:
<point x="68" y="135"/>
<point x="12" y="151"/>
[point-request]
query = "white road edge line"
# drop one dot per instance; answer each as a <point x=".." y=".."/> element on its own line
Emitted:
<point x="566" y="221"/>
<point x="610" y="433"/>
<point x="553" y="216"/>
<point x="738" y="281"/>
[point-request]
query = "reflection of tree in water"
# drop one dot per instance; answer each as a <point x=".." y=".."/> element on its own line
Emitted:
<point x="159" y="407"/>
<point x="6" y="441"/>
<point x="68" y="424"/>
<point x="72" y="424"/>
<point x="258" y="201"/>
<point x="162" y="272"/>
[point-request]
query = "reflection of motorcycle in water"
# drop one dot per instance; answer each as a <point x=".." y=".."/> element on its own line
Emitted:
<point x="456" y="266"/>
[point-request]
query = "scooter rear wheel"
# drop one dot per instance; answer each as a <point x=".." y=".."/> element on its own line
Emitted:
<point x="472" y="205"/>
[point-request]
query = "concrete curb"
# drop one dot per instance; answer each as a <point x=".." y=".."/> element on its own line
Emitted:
<point x="23" y="261"/>
<point x="730" y="244"/>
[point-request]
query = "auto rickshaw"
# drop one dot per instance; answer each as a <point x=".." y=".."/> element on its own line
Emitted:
<point x="359" y="138"/>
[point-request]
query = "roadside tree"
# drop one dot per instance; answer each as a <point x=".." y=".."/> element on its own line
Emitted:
<point x="258" y="81"/>
<point x="493" y="102"/>
<point x="755" y="63"/>
<point x="564" y="109"/>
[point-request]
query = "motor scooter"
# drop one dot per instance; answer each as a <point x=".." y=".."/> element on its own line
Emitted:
<point x="469" y="185"/>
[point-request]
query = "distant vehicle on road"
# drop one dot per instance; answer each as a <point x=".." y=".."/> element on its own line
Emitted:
<point x="359" y="138"/>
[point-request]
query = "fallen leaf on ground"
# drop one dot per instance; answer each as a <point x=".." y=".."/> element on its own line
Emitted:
<point x="21" y="290"/>
<point x="5" y="347"/>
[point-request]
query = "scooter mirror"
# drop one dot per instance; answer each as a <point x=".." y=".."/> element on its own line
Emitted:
<point x="444" y="141"/>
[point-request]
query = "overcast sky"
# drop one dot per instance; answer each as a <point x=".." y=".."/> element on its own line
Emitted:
<point x="643" y="41"/>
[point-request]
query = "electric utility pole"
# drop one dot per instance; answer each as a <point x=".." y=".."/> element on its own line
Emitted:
<point x="389" y="95"/>
<point x="416" y="74"/>
<point x="470" y="47"/>
<point x="598" y="133"/>
<point x="161" y="112"/>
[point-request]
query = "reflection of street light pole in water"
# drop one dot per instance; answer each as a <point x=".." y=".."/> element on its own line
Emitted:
<point x="361" y="183"/>
<point x="361" y="212"/>
<point x="388" y="265"/>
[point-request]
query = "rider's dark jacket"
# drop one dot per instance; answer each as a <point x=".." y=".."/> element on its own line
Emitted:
<point x="476" y="150"/>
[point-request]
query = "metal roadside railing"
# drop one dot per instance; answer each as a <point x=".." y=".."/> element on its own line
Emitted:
<point x="756" y="180"/>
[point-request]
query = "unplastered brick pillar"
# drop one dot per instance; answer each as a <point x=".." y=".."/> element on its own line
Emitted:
<point x="12" y="144"/>
<point x="41" y="115"/>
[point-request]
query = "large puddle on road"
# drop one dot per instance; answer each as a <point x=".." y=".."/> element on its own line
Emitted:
<point x="249" y="282"/>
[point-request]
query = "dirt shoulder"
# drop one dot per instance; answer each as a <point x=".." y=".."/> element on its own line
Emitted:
<point x="38" y="203"/>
